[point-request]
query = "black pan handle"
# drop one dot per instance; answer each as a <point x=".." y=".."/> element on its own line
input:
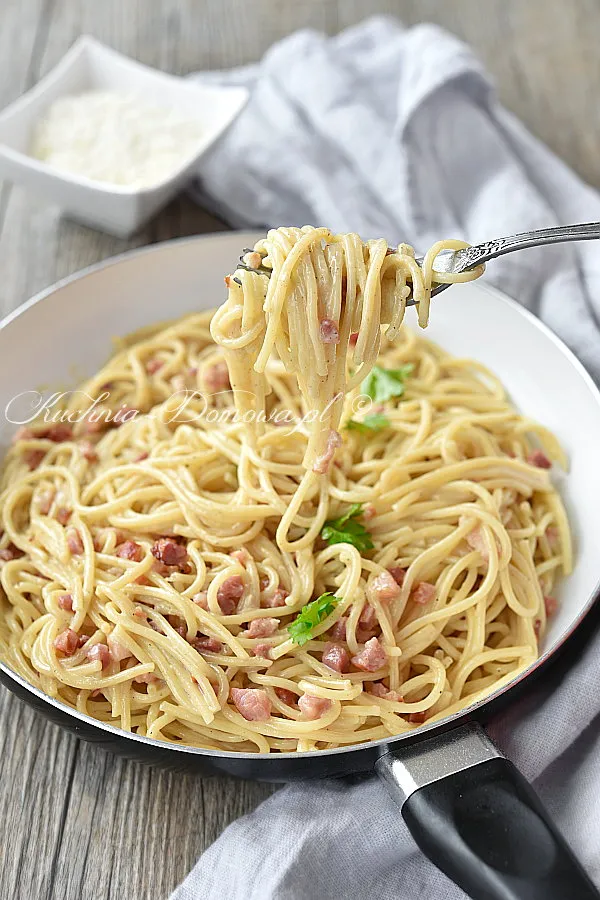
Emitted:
<point x="478" y="820"/>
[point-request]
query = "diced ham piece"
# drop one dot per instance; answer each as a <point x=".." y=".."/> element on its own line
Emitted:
<point x="378" y="689"/>
<point x="537" y="627"/>
<point x="369" y="512"/>
<point x="322" y="462"/>
<point x="33" y="458"/>
<point x="253" y="259"/>
<point x="423" y="593"/>
<point x="262" y="650"/>
<point x="336" y="657"/>
<point x="45" y="501"/>
<point x="476" y="541"/>
<point x="146" y="678"/>
<point x="353" y="339"/>
<point x="99" y="652"/>
<point x="169" y="552"/>
<point x="538" y="458"/>
<point x="23" y="433"/>
<point x="277" y="598"/>
<point x="313" y="707"/>
<point x="65" y="601"/>
<point x="74" y="542"/>
<point x="418" y="717"/>
<point x="286" y="696"/>
<point x="204" y="644"/>
<point x="329" y="331"/>
<point x="398" y="574"/>
<point x="550" y="605"/>
<point x="368" y="617"/>
<point x="130" y="550"/>
<point x="552" y="535"/>
<point x="141" y="456"/>
<point x="230" y="593"/>
<point x="384" y="587"/>
<point x="153" y="365"/>
<point x="216" y="377"/>
<point x="63" y="514"/>
<point x="252" y="703"/>
<point x="371" y="658"/>
<point x="59" y="433"/>
<point x="67" y="642"/>
<point x="10" y="552"/>
<point x="88" y="451"/>
<point x="242" y="556"/>
<point x="338" y="629"/>
<point x="201" y="600"/>
<point x="117" y="650"/>
<point x="262" y="627"/>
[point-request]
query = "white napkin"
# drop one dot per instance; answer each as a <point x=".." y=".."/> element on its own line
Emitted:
<point x="398" y="133"/>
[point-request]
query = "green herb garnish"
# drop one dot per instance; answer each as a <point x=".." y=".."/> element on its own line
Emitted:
<point x="347" y="530"/>
<point x="383" y="384"/>
<point x="370" y="424"/>
<point x="312" y="615"/>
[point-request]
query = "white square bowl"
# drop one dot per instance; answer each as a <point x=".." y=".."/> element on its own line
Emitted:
<point x="90" y="65"/>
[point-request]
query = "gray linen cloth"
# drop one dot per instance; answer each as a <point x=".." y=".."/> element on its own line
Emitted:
<point x="398" y="133"/>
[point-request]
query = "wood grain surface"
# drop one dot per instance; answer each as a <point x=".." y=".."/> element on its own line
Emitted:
<point x="79" y="824"/>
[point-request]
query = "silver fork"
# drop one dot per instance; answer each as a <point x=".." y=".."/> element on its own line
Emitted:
<point x="457" y="261"/>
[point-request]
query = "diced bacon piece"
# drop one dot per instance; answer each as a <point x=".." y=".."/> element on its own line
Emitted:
<point x="537" y="627"/>
<point x="88" y="451"/>
<point x="146" y="678"/>
<point x="63" y="514"/>
<point x="118" y="651"/>
<point x="263" y="582"/>
<point x="286" y="696"/>
<point x="23" y="433"/>
<point x="550" y="605"/>
<point x="74" y="542"/>
<point x="153" y="365"/>
<point x="384" y="587"/>
<point x="130" y="550"/>
<point x="10" y="552"/>
<point x="262" y="650"/>
<point x="252" y="703"/>
<point x="65" y="601"/>
<point x="262" y="627"/>
<point x="322" y="462"/>
<point x="230" y="593"/>
<point x="369" y="512"/>
<point x="216" y="377"/>
<point x="338" y="629"/>
<point x="538" y="458"/>
<point x="33" y="458"/>
<point x="99" y="652"/>
<point x="353" y="339"/>
<point x="336" y="657"/>
<point x="276" y="599"/>
<point x="242" y="556"/>
<point x="476" y="541"/>
<point x="125" y="414"/>
<point x="45" y="501"/>
<point x="329" y="331"/>
<point x="201" y="600"/>
<point x="83" y="639"/>
<point x="169" y="552"/>
<point x="313" y="707"/>
<point x="59" y="433"/>
<point x="140" y="613"/>
<point x="552" y="535"/>
<point x="418" y="717"/>
<point x="253" y="259"/>
<point x="227" y="281"/>
<point x="141" y="456"/>
<point x="423" y="593"/>
<point x="143" y="580"/>
<point x="178" y="383"/>
<point x="95" y="422"/>
<point x="398" y="574"/>
<point x="378" y="689"/>
<point x="205" y="644"/>
<point x="368" y="617"/>
<point x="67" y="642"/>
<point x="371" y="658"/>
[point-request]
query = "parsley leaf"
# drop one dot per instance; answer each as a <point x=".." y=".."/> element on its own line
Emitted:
<point x="300" y="630"/>
<point x="346" y="530"/>
<point x="370" y="424"/>
<point x="383" y="384"/>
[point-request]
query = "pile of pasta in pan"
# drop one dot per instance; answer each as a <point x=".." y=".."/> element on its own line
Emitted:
<point x="289" y="525"/>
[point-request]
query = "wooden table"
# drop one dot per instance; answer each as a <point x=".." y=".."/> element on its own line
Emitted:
<point x="77" y="823"/>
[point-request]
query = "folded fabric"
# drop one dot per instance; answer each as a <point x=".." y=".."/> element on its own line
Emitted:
<point x="398" y="133"/>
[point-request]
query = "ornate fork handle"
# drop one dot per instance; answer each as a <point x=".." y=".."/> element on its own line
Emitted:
<point x="481" y="253"/>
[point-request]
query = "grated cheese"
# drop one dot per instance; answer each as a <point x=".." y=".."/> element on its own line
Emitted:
<point x="115" y="137"/>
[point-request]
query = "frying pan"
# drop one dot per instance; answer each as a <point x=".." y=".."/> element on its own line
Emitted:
<point x="468" y="807"/>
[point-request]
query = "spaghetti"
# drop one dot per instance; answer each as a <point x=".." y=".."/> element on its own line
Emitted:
<point x="340" y="533"/>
